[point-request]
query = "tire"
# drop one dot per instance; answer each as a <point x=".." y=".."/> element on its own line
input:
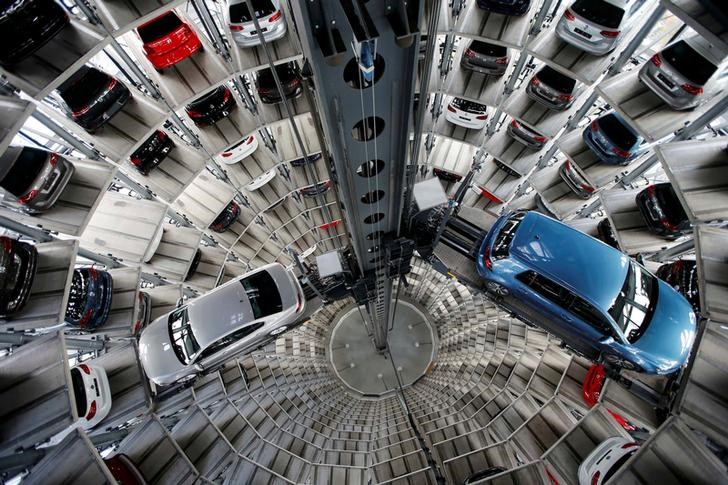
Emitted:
<point x="617" y="361"/>
<point x="277" y="331"/>
<point x="497" y="289"/>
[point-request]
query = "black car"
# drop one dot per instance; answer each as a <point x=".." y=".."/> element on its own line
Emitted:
<point x="683" y="276"/>
<point x="89" y="300"/>
<point x="662" y="211"/>
<point x="26" y="25"/>
<point x="485" y="473"/>
<point x="446" y="176"/>
<point x="151" y="153"/>
<point x="290" y="82"/>
<point x="18" y="262"/>
<point x="226" y="218"/>
<point x="505" y="7"/>
<point x="315" y="189"/>
<point x="210" y="108"/>
<point x="300" y="162"/>
<point x="195" y="263"/>
<point x="92" y="97"/>
<point x="606" y="233"/>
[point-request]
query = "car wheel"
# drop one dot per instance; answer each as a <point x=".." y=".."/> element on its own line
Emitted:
<point x="496" y="289"/>
<point x="278" y="331"/>
<point x="618" y="361"/>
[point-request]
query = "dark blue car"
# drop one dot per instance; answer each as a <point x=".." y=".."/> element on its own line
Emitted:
<point x="613" y="140"/>
<point x="601" y="303"/>
<point x="89" y="300"/>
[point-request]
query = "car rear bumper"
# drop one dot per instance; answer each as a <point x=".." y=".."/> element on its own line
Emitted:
<point x="652" y="224"/>
<point x="470" y="124"/>
<point x="523" y="139"/>
<point x="647" y="76"/>
<point x="601" y="47"/>
<point x="65" y="172"/>
<point x="105" y="114"/>
<point x="216" y="115"/>
<point x="556" y="105"/>
<point x="496" y="70"/>
<point x="271" y="35"/>
<point x="573" y="184"/>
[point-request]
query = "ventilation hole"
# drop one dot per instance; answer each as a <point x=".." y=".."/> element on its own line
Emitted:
<point x="356" y="78"/>
<point x="374" y="218"/>
<point x="374" y="235"/>
<point x="370" y="168"/>
<point x="372" y="197"/>
<point x="368" y="128"/>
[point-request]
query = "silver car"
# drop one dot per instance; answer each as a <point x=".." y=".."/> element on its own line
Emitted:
<point x="681" y="72"/>
<point x="595" y="26"/>
<point x="485" y="58"/>
<point x="270" y="18"/>
<point x="551" y="89"/>
<point x="574" y="179"/>
<point x="526" y="135"/>
<point x="239" y="315"/>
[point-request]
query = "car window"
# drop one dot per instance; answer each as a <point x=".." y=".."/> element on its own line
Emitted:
<point x="696" y="68"/>
<point x="556" y="80"/>
<point x="548" y="289"/>
<point x="230" y="339"/>
<point x="469" y="106"/>
<point x="184" y="343"/>
<point x="29" y="164"/>
<point x="79" y="392"/>
<point x="617" y="132"/>
<point x="599" y="12"/>
<point x="505" y="237"/>
<point x="239" y="11"/>
<point x="635" y="304"/>
<point x="488" y="49"/>
<point x="262" y="293"/>
<point x="670" y="204"/>
<point x="159" y="27"/>
<point x="589" y="314"/>
<point x="79" y="93"/>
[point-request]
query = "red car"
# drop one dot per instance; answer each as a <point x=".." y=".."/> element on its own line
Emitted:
<point x="592" y="388"/>
<point x="168" y="40"/>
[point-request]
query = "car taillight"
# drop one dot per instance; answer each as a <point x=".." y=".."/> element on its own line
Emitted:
<point x="275" y="16"/>
<point x="627" y="446"/>
<point x="651" y="190"/>
<point x="193" y="112"/>
<point x="7" y="245"/>
<point x="299" y="302"/>
<point x="621" y="153"/>
<point x="609" y="33"/>
<point x="136" y="161"/>
<point x="486" y="259"/>
<point x="565" y="97"/>
<point x="226" y="96"/>
<point x="85" y="369"/>
<point x="250" y="140"/>
<point x="451" y="109"/>
<point x="690" y="89"/>
<point x="53" y="160"/>
<point x="85" y="318"/>
<point x="330" y="225"/>
<point x="111" y="84"/>
<point x="622" y="422"/>
<point x="28" y="197"/>
<point x="567" y="165"/>
<point x="667" y="224"/>
<point x="535" y="81"/>
<point x="80" y="112"/>
<point x="587" y="188"/>
<point x="236" y="28"/>
<point x="540" y="139"/>
<point x="515" y="124"/>
<point x="594" y="125"/>
<point x="502" y="61"/>
<point x="568" y="15"/>
<point x="656" y="60"/>
<point x="91" y="411"/>
<point x="469" y="53"/>
<point x="595" y="478"/>
<point x="226" y="154"/>
<point x="489" y="196"/>
<point x="161" y="135"/>
<point x="482" y="117"/>
<point x="92" y="273"/>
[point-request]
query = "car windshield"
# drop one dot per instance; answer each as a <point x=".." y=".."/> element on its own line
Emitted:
<point x="263" y="294"/>
<point x="505" y="236"/>
<point x="78" y="94"/>
<point x="469" y="106"/>
<point x="599" y="12"/>
<point x="239" y="11"/>
<point x="670" y="204"/>
<point x="213" y="97"/>
<point x="79" y="391"/>
<point x="159" y="27"/>
<point x="635" y="304"/>
<point x="286" y="73"/>
<point x="617" y="132"/>
<point x="26" y="168"/>
<point x="555" y="80"/>
<point x="184" y="343"/>
<point x="488" y="49"/>
<point x="696" y="68"/>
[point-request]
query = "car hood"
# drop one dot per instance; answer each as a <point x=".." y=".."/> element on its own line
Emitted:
<point x="671" y="333"/>
<point x="155" y="350"/>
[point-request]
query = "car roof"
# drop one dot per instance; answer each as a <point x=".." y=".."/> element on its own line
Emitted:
<point x="585" y="265"/>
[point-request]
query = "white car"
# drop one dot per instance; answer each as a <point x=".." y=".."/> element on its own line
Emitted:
<point x="467" y="114"/>
<point x="244" y="147"/>
<point x="92" y="394"/>
<point x="239" y="315"/>
<point x="270" y="18"/>
<point x="605" y="460"/>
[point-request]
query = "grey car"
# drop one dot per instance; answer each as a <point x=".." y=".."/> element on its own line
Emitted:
<point x="526" y="135"/>
<point x="485" y="58"/>
<point x="550" y="88"/>
<point x="239" y="315"/>
<point x="681" y="73"/>
<point x="573" y="177"/>
<point x="596" y="26"/>
<point x="32" y="179"/>
<point x="270" y="17"/>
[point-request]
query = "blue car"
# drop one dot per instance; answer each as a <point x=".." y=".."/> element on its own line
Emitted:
<point x="89" y="300"/>
<point x="601" y="303"/>
<point x="613" y="140"/>
<point x="366" y="60"/>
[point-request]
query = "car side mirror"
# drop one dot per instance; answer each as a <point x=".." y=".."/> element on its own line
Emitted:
<point x="180" y="302"/>
<point x="606" y="340"/>
<point x="199" y="368"/>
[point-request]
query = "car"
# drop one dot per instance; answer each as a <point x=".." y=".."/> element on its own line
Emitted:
<point x="591" y="390"/>
<point x="26" y="26"/>
<point x="91" y="97"/>
<point x="92" y="394"/>
<point x="613" y="140"/>
<point x="270" y="18"/>
<point x="662" y="211"/>
<point x="367" y="52"/>
<point x="194" y="264"/>
<point x="505" y="7"/>
<point x="289" y="77"/>
<point x="683" y="276"/>
<point x="315" y="189"/>
<point x="167" y="40"/>
<point x="526" y="135"/>
<point x="605" y="460"/>
<point x="19" y="262"/>
<point x="153" y="244"/>
<point x="89" y="300"/>
<point x="596" y="26"/>
<point x="226" y="218"/>
<point x="485" y="58"/>
<point x="606" y="233"/>
<point x="681" y="73"/>
<point x="311" y="159"/>
<point x="575" y="179"/>
<point x="551" y="89"/>
<point x="31" y="179"/>
<point x="144" y="312"/>
<point x="211" y="107"/>
<point x="599" y="302"/>
<point x="446" y="175"/>
<point x="467" y="114"/>
<point x="239" y="315"/>
<point x="124" y="470"/>
<point x="239" y="150"/>
<point x="485" y="473"/>
<point x="261" y="180"/>
<point x="152" y="152"/>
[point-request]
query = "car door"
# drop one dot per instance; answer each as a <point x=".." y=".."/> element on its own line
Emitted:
<point x="227" y="346"/>
<point x="542" y="300"/>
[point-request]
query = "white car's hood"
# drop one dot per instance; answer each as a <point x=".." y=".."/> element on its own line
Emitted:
<point x="157" y="355"/>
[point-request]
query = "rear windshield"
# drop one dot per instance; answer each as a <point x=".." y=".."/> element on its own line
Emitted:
<point x="285" y="72"/>
<point x="617" y="132"/>
<point x="696" y="68"/>
<point x="213" y="96"/>
<point x="78" y="94"/>
<point x="599" y="12"/>
<point x="239" y="11"/>
<point x="505" y="237"/>
<point x="79" y="391"/>
<point x="469" y="106"/>
<point x="554" y="79"/>
<point x="159" y="27"/>
<point x="263" y="294"/>
<point x="19" y="180"/>
<point x="670" y="204"/>
<point x="488" y="49"/>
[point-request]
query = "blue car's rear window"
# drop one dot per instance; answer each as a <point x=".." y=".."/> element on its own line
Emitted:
<point x="505" y="237"/>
